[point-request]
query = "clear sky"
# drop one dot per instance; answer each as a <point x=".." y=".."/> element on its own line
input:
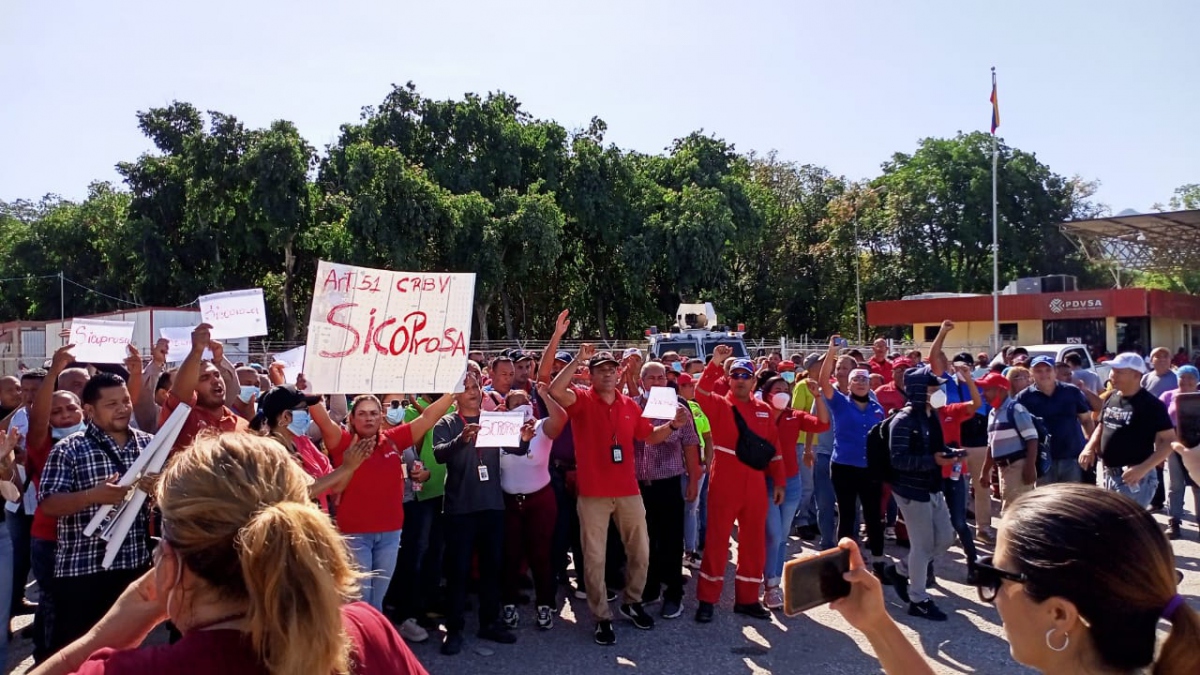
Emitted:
<point x="1105" y="90"/>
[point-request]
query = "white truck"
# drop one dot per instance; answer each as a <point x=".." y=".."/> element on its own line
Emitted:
<point x="696" y="333"/>
<point x="1059" y="353"/>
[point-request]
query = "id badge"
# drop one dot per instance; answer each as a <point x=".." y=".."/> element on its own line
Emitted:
<point x="617" y="455"/>
<point x="403" y="469"/>
<point x="483" y="473"/>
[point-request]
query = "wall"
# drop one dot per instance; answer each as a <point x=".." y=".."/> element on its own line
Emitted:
<point x="976" y="336"/>
<point x="1167" y="333"/>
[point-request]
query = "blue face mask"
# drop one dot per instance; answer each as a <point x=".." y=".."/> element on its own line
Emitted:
<point x="395" y="416"/>
<point x="788" y="377"/>
<point x="59" y="434"/>
<point x="247" y="393"/>
<point x="299" y="423"/>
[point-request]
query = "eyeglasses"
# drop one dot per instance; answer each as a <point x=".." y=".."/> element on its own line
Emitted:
<point x="740" y="375"/>
<point x="989" y="578"/>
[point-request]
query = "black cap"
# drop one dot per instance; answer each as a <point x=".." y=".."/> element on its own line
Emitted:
<point x="519" y="355"/>
<point x="282" y="398"/>
<point x="963" y="357"/>
<point x="601" y="358"/>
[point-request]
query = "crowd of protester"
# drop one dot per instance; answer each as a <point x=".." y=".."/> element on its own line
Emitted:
<point x="296" y="533"/>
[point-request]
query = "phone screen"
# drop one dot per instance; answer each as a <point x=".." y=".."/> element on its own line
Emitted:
<point x="814" y="581"/>
<point x="1187" y="410"/>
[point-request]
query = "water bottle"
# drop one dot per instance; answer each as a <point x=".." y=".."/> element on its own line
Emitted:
<point x="956" y="471"/>
<point x="418" y="466"/>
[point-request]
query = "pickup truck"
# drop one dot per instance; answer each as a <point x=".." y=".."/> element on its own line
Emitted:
<point x="1059" y="352"/>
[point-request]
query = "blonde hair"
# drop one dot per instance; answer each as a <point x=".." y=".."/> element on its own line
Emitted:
<point x="235" y="507"/>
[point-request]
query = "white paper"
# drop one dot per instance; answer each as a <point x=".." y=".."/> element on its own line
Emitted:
<point x="181" y="343"/>
<point x="379" y="331"/>
<point x="500" y="429"/>
<point x="293" y="363"/>
<point x="98" y="341"/>
<point x="235" y="314"/>
<point x="661" y="404"/>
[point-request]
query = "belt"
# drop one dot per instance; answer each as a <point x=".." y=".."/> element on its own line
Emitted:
<point x="520" y="498"/>
<point x="1009" y="459"/>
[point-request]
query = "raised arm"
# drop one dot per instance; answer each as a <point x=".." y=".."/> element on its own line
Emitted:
<point x="429" y="417"/>
<point x="964" y="371"/>
<point x="43" y="400"/>
<point x="827" y="368"/>
<point x="188" y="375"/>
<point x="936" y="359"/>
<point x="133" y="364"/>
<point x="228" y="372"/>
<point x="144" y="407"/>
<point x="546" y="365"/>
<point x="560" y="388"/>
<point x="557" y="419"/>
<point x="329" y="428"/>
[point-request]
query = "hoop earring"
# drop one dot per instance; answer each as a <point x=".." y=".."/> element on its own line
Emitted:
<point x="1066" y="641"/>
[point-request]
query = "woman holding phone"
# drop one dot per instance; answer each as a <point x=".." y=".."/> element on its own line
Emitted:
<point x="1179" y="477"/>
<point x="1081" y="577"/>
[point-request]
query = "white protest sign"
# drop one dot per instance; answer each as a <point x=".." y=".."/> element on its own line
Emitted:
<point x="180" y="340"/>
<point x="235" y="314"/>
<point x="661" y="404"/>
<point x="293" y="362"/>
<point x="500" y="429"/>
<point x="379" y="331"/>
<point x="99" y="341"/>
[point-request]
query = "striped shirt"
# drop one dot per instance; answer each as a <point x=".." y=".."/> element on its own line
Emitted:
<point x="1004" y="438"/>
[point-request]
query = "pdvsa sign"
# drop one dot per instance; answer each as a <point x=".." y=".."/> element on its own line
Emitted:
<point x="1059" y="305"/>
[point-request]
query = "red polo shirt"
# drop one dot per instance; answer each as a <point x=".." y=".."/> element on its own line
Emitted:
<point x="890" y="398"/>
<point x="790" y="424"/>
<point x="373" y="500"/>
<point x="884" y="368"/>
<point x="758" y="416"/>
<point x="44" y="527"/>
<point x="199" y="420"/>
<point x="596" y="426"/>
<point x="951" y="416"/>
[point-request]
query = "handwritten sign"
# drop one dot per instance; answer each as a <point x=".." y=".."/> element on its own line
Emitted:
<point x="181" y="343"/>
<point x="500" y="429"/>
<point x="293" y="362"/>
<point x="379" y="331"/>
<point x="98" y="341"/>
<point x="235" y="314"/>
<point x="661" y="404"/>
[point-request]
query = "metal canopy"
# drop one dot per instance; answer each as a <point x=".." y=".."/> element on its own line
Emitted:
<point x="1145" y="242"/>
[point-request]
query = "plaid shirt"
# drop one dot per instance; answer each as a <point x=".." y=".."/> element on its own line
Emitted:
<point x="656" y="461"/>
<point x="77" y="463"/>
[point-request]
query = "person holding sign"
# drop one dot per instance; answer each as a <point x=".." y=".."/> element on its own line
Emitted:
<point x="606" y="424"/>
<point x="205" y="386"/>
<point x="371" y="510"/>
<point x="736" y="488"/>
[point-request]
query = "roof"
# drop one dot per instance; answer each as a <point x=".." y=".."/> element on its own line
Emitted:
<point x="1045" y="306"/>
<point x="1163" y="242"/>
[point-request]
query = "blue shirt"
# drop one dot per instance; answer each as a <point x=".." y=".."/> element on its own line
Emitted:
<point x="1006" y="439"/>
<point x="1060" y="411"/>
<point x="852" y="425"/>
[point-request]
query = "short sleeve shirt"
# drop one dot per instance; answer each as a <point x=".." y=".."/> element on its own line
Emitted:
<point x="1009" y="427"/>
<point x="200" y="420"/>
<point x="598" y="426"/>
<point x="1130" y="425"/>
<point x="1060" y="411"/>
<point x="851" y="428"/>
<point x="373" y="500"/>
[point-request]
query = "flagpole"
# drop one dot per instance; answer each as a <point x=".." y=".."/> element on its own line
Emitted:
<point x="995" y="240"/>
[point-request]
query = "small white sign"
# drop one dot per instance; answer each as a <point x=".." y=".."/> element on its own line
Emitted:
<point x="500" y="429"/>
<point x="180" y="340"/>
<point x="661" y="404"/>
<point x="293" y="363"/>
<point x="99" y="341"/>
<point x="235" y="314"/>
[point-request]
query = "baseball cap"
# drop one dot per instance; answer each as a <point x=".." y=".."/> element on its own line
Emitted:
<point x="786" y="367"/>
<point x="993" y="379"/>
<point x="518" y="355"/>
<point x="1042" y="360"/>
<point x="963" y="357"/>
<point x="565" y="357"/>
<point x="1128" y="361"/>
<point x="283" y="398"/>
<point x="810" y="360"/>
<point x="258" y="367"/>
<point x="743" y="364"/>
<point x="685" y="380"/>
<point x="602" y="358"/>
<point x="902" y="363"/>
<point x="632" y="351"/>
<point x="921" y="374"/>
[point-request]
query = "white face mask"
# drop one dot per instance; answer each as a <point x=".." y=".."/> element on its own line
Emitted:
<point x="937" y="399"/>
<point x="781" y="400"/>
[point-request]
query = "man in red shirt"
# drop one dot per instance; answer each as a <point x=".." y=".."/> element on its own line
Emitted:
<point x="891" y="395"/>
<point x="878" y="363"/>
<point x="605" y="424"/>
<point x="736" y="490"/>
<point x="200" y="384"/>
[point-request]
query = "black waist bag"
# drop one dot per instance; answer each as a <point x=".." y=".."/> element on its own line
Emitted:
<point x="752" y="450"/>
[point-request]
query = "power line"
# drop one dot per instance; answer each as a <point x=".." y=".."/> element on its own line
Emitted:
<point x="31" y="278"/>
<point x="92" y="290"/>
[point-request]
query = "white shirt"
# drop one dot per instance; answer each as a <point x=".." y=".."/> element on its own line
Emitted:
<point x="20" y="422"/>
<point x="528" y="473"/>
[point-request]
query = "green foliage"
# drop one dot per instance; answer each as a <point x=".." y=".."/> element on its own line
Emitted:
<point x="545" y="217"/>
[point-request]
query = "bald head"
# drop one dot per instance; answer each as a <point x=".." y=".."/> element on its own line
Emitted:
<point x="10" y="392"/>
<point x="74" y="380"/>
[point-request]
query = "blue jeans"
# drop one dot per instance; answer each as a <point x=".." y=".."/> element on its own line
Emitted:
<point x="955" y="492"/>
<point x="7" y="561"/>
<point x="692" y="514"/>
<point x="779" y="526"/>
<point x="806" y="513"/>
<point x="42" y="558"/>
<point x="1141" y="493"/>
<point x="826" y="501"/>
<point x="376" y="553"/>
<point x="1063" y="471"/>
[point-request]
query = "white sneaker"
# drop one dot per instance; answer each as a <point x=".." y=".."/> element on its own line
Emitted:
<point x="511" y="618"/>
<point x="773" y="598"/>
<point x="544" y="617"/>
<point x="889" y="533"/>
<point x="411" y="630"/>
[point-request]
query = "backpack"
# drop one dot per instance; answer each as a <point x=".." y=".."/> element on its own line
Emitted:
<point x="879" y="451"/>
<point x="1043" y="438"/>
<point x="752" y="450"/>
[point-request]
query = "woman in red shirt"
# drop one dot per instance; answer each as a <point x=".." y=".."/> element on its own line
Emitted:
<point x="778" y="393"/>
<point x="241" y="542"/>
<point x="371" y="509"/>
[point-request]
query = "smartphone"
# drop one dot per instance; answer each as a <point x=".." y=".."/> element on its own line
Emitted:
<point x="1187" y="410"/>
<point x="816" y="580"/>
<point x="954" y="454"/>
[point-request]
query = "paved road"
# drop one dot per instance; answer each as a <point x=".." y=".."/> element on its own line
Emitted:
<point x="820" y="641"/>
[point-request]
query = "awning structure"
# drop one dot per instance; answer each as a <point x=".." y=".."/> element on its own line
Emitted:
<point x="1146" y="242"/>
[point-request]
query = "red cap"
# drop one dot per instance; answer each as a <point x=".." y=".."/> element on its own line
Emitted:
<point x="684" y="380"/>
<point x="993" y="380"/>
<point x="786" y="367"/>
<point x="901" y="363"/>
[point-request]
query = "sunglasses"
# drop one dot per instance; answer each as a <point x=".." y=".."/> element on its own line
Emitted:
<point x="989" y="578"/>
<point x="740" y="375"/>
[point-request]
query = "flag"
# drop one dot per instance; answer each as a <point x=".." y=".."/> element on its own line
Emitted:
<point x="995" y="105"/>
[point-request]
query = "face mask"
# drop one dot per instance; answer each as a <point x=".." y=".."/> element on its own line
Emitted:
<point x="996" y="401"/>
<point x="781" y="400"/>
<point x="299" y="423"/>
<point x="247" y="393"/>
<point x="788" y="377"/>
<point x="677" y="367"/>
<point x="937" y="399"/>
<point x="59" y="434"/>
<point x="395" y="416"/>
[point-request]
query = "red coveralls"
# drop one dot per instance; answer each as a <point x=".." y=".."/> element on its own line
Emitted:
<point x="735" y="492"/>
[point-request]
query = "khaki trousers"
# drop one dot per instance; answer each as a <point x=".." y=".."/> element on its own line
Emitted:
<point x="629" y="515"/>
<point x="1012" y="485"/>
<point x="983" y="496"/>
